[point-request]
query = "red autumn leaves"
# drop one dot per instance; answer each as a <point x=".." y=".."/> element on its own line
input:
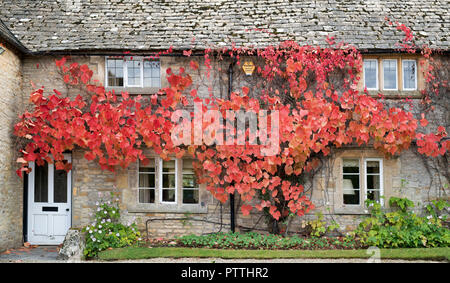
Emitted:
<point x="113" y="131"/>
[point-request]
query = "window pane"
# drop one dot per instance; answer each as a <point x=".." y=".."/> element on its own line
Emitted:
<point x="60" y="186"/>
<point x="370" y="74"/>
<point x="146" y="195"/>
<point x="147" y="174"/>
<point x="168" y="174"/>
<point x="373" y="182"/>
<point x="188" y="167"/>
<point x="409" y="74"/>
<point x="373" y="167"/>
<point x="189" y="181"/>
<point x="147" y="169"/>
<point x="156" y="82"/>
<point x="374" y="195"/>
<point x="169" y="166"/>
<point x="147" y="180"/>
<point x="168" y="180"/>
<point x="190" y="196"/>
<point x="115" y="72"/>
<point x="41" y="183"/>
<point x="350" y="182"/>
<point x="390" y="74"/>
<point x="111" y="63"/>
<point x="168" y="195"/>
<point x="351" y="166"/>
<point x="352" y="199"/>
<point x="134" y="72"/>
<point x="151" y="73"/>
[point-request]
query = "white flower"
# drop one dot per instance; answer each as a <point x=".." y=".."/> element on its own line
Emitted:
<point x="90" y="231"/>
<point x="117" y="234"/>
<point x="429" y="216"/>
<point x="96" y="203"/>
<point x="109" y="220"/>
<point x="113" y="212"/>
<point x="99" y="226"/>
<point x="440" y="217"/>
<point x="105" y="212"/>
<point x="100" y="231"/>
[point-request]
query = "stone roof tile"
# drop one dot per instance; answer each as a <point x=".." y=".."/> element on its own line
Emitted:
<point x="150" y="25"/>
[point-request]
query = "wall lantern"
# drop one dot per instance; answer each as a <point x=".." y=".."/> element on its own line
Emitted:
<point x="248" y="67"/>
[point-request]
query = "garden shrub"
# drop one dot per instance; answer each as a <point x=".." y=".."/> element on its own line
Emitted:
<point x="318" y="227"/>
<point x="402" y="228"/>
<point x="107" y="231"/>
<point x="252" y="240"/>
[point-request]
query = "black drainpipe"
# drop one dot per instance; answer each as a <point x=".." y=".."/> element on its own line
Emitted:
<point x="230" y="89"/>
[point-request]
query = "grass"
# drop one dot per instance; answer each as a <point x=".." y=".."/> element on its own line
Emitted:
<point x="172" y="252"/>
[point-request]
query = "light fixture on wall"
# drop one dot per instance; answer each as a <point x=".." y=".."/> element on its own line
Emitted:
<point x="1" y="50"/>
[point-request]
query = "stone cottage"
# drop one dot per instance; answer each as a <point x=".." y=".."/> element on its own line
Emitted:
<point x="41" y="207"/>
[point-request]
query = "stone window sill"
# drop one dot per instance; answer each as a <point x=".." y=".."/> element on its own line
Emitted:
<point x="169" y="208"/>
<point x="351" y="210"/>
<point x="399" y="94"/>
<point x="134" y="90"/>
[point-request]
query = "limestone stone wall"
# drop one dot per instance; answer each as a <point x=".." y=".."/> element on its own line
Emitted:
<point x="11" y="187"/>
<point x="404" y="176"/>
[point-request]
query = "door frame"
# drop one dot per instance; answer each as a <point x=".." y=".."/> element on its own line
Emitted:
<point x="29" y="186"/>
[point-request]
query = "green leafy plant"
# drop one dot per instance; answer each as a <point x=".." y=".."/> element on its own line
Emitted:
<point x="402" y="203"/>
<point x="401" y="228"/>
<point x="437" y="208"/>
<point x="252" y="240"/>
<point x="318" y="227"/>
<point x="106" y="231"/>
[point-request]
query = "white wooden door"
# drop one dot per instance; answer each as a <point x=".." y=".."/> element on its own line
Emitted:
<point x="49" y="204"/>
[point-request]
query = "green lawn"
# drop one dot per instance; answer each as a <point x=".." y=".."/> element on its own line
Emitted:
<point x="143" y="253"/>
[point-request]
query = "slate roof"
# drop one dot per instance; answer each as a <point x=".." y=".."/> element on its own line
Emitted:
<point x="151" y="25"/>
<point x="6" y="35"/>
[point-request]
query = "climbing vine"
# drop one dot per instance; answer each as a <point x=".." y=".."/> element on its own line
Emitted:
<point x="310" y="90"/>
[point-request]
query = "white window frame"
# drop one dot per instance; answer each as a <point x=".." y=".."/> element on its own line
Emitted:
<point x="396" y="75"/>
<point x="160" y="184"/>
<point x="359" y="174"/>
<point x="149" y="188"/>
<point x="415" y="73"/>
<point x="376" y="76"/>
<point x="125" y="71"/>
<point x="380" y="160"/>
<point x="183" y="188"/>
